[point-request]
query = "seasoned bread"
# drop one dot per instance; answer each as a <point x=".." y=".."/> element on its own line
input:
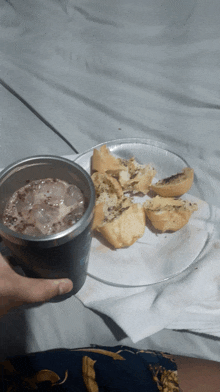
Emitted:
<point x="176" y="185"/>
<point x="103" y="161"/>
<point x="124" y="225"/>
<point x="117" y="180"/>
<point x="136" y="178"/>
<point x="104" y="207"/>
<point x="103" y="182"/>
<point x="169" y="213"/>
<point x="132" y="176"/>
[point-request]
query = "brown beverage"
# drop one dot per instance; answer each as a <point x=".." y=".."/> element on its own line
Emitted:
<point x="44" y="207"/>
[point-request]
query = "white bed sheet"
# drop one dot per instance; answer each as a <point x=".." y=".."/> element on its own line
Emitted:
<point x="92" y="71"/>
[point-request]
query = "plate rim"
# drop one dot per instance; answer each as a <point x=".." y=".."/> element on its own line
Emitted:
<point x="134" y="140"/>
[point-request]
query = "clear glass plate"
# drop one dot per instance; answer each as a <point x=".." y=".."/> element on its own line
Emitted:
<point x="153" y="258"/>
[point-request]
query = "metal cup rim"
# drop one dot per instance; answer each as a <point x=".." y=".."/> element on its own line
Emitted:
<point x="57" y="238"/>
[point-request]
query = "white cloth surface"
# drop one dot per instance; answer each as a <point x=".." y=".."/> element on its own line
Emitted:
<point x="98" y="71"/>
<point x="190" y="302"/>
<point x="92" y="71"/>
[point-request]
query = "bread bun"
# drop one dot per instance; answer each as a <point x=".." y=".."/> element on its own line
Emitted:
<point x="99" y="215"/>
<point x="168" y="213"/>
<point x="103" y="161"/>
<point x="136" y="178"/>
<point x="126" y="227"/>
<point x="104" y="207"/>
<point x="132" y="176"/>
<point x="103" y="182"/>
<point x="117" y="218"/>
<point x="175" y="185"/>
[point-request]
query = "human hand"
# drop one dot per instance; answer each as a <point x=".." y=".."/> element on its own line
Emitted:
<point x="16" y="290"/>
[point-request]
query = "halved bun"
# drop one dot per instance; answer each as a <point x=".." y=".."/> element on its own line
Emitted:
<point x="103" y="161"/>
<point x="103" y="182"/>
<point x="175" y="185"/>
<point x="99" y="215"/>
<point x="127" y="226"/>
<point x="104" y="207"/>
<point x="168" y="213"/>
<point x="132" y="176"/>
<point x="117" y="218"/>
<point x="135" y="177"/>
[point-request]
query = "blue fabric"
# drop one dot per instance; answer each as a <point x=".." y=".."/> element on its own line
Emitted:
<point x="118" y="368"/>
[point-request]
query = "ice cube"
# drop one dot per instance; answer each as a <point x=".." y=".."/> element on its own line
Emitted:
<point x="73" y="216"/>
<point x="73" y="196"/>
<point x="29" y="198"/>
<point x="32" y="230"/>
<point x="44" y="216"/>
<point x="23" y="208"/>
<point x="24" y="203"/>
<point x="53" y="191"/>
<point x="78" y="211"/>
<point x="43" y="213"/>
<point x="69" y="219"/>
<point x="46" y="189"/>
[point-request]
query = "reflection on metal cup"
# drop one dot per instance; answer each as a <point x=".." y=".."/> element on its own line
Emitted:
<point x="61" y="255"/>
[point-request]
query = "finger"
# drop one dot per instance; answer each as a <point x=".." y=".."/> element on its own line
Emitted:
<point x="30" y="290"/>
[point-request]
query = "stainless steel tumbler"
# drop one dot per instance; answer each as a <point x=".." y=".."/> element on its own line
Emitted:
<point x="61" y="255"/>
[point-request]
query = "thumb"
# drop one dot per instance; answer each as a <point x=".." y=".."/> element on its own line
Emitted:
<point x="31" y="290"/>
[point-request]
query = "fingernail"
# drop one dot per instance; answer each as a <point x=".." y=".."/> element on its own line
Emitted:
<point x="64" y="287"/>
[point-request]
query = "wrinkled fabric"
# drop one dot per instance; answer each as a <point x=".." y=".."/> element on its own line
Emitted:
<point x="94" y="369"/>
<point x="97" y="71"/>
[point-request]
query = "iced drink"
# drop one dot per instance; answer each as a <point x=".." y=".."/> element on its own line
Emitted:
<point x="46" y="212"/>
<point x="44" y="207"/>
